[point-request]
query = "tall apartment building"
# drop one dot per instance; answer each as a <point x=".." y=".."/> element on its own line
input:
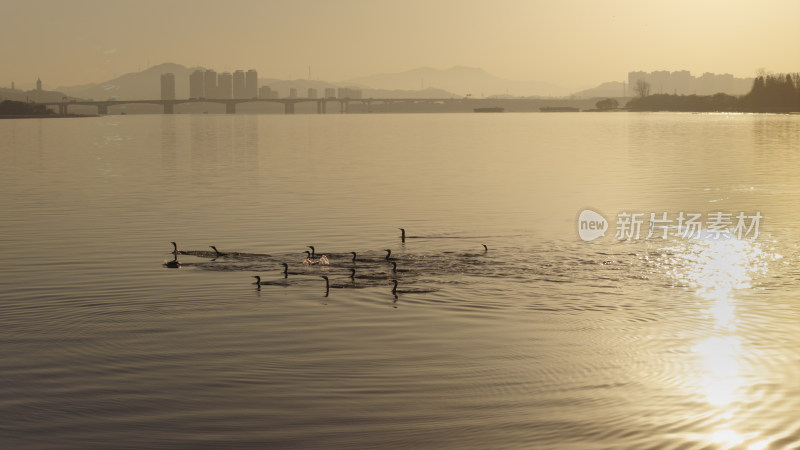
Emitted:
<point x="225" y="85"/>
<point x="251" y="84"/>
<point x="168" y="86"/>
<point x="239" y="90"/>
<point x="196" y="89"/>
<point x="210" y="84"/>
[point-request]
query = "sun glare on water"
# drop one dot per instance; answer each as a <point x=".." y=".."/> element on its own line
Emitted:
<point x="716" y="271"/>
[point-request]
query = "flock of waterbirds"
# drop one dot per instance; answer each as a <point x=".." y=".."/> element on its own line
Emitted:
<point x="353" y="270"/>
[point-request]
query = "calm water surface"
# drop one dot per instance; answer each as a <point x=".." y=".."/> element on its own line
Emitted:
<point x="543" y="341"/>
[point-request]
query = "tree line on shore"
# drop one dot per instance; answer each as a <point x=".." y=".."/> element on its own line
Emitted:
<point x="15" y="108"/>
<point x="770" y="93"/>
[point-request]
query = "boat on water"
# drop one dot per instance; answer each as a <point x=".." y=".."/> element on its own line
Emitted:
<point x="558" y="109"/>
<point x="490" y="109"/>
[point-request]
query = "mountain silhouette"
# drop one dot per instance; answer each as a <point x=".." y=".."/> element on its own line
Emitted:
<point x="460" y="80"/>
<point x="607" y="89"/>
<point x="144" y="85"/>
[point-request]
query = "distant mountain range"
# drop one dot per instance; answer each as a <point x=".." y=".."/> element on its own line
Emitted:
<point x="460" y="80"/>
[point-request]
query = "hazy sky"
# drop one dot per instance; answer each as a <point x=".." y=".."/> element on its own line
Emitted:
<point x="568" y="43"/>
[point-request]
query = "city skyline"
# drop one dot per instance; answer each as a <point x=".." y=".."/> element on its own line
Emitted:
<point x="574" y="44"/>
<point x="196" y="83"/>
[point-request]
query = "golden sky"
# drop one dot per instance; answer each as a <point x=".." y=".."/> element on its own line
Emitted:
<point x="574" y="44"/>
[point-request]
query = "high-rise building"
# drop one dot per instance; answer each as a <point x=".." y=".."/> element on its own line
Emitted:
<point x="196" y="89"/>
<point x="251" y="84"/>
<point x="239" y="90"/>
<point x="312" y="93"/>
<point x="167" y="86"/>
<point x="225" y="85"/>
<point x="292" y="92"/>
<point x="330" y="92"/>
<point x="38" y="84"/>
<point x="210" y="83"/>
<point x="265" y="92"/>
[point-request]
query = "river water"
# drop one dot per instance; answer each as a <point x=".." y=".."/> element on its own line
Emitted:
<point x="665" y="339"/>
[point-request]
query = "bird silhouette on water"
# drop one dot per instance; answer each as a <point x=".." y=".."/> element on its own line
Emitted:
<point x="286" y="272"/>
<point x="395" y="269"/>
<point x="174" y="264"/>
<point x="270" y="283"/>
<point x="396" y="291"/>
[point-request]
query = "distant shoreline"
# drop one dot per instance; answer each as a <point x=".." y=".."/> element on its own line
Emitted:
<point x="43" y="116"/>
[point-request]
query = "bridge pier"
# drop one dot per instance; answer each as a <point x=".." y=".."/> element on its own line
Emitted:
<point x="62" y="108"/>
<point x="321" y="105"/>
<point x="288" y="108"/>
<point x="344" y="107"/>
<point x="169" y="108"/>
<point x="230" y="108"/>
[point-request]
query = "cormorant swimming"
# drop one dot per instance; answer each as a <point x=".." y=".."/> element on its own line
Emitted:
<point x="174" y="264"/>
<point x="394" y="268"/>
<point x="270" y="283"/>
<point x="410" y="291"/>
<point x="328" y="284"/>
<point x="286" y="272"/>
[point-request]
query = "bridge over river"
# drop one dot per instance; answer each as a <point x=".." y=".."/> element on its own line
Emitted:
<point x="230" y="104"/>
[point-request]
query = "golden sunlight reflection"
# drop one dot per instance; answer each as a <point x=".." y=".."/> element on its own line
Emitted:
<point x="716" y="270"/>
<point x="720" y="359"/>
<point x="727" y="437"/>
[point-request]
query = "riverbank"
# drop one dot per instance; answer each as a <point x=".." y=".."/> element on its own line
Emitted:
<point x="44" y="116"/>
<point x="778" y="94"/>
